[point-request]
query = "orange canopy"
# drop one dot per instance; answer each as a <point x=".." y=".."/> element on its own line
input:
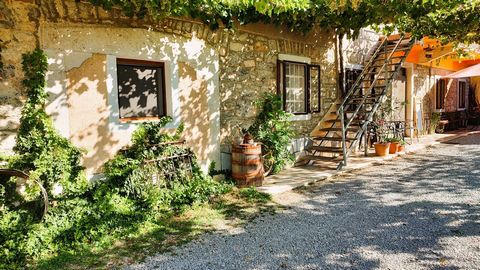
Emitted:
<point x="430" y="52"/>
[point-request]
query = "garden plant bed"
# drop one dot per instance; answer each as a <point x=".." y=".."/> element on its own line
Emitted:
<point x="223" y="213"/>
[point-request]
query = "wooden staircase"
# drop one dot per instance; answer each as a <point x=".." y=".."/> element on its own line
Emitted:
<point x="342" y="131"/>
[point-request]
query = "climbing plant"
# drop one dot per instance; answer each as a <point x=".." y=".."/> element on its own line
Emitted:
<point x="41" y="150"/>
<point x="453" y="20"/>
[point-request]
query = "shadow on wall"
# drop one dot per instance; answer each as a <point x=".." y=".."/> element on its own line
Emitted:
<point x="190" y="74"/>
<point x="89" y="112"/>
<point x="194" y="109"/>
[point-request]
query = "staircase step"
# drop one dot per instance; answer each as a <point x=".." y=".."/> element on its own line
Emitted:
<point x="388" y="65"/>
<point x="361" y="111"/>
<point x="338" y="120"/>
<point x="338" y="129"/>
<point x="393" y="57"/>
<point x="361" y="98"/>
<point x="320" y="158"/>
<point x="326" y="149"/>
<point x="383" y="72"/>
<point x="376" y="86"/>
<point x="334" y="139"/>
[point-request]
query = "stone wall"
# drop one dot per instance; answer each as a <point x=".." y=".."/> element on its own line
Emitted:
<point x="355" y="51"/>
<point x="18" y="24"/>
<point x="237" y="65"/>
<point x="249" y="69"/>
<point x="425" y="89"/>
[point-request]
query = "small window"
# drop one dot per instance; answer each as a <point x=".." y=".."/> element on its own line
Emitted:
<point x="299" y="85"/>
<point x="440" y="94"/>
<point x="351" y="76"/>
<point x="141" y="89"/>
<point x="462" y="91"/>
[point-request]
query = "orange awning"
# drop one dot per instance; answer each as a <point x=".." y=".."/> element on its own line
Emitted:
<point x="430" y="52"/>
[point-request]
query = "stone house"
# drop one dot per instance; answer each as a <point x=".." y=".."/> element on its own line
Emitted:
<point x="104" y="65"/>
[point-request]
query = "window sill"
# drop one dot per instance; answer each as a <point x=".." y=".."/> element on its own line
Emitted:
<point x="301" y="117"/>
<point x="139" y="119"/>
<point x="461" y="109"/>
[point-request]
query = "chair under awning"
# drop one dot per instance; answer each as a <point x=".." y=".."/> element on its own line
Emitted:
<point x="472" y="71"/>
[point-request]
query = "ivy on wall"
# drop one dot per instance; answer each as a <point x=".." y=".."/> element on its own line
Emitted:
<point x="49" y="157"/>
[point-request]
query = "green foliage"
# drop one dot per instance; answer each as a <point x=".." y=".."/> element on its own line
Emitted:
<point x="131" y="175"/>
<point x="251" y="194"/>
<point x="454" y="20"/>
<point x="272" y="128"/>
<point x="434" y="123"/>
<point x="83" y="216"/>
<point x="41" y="151"/>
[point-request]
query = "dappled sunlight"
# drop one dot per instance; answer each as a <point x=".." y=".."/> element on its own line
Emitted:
<point x="82" y="98"/>
<point x="399" y="213"/>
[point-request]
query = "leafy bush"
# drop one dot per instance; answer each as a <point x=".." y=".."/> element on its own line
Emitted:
<point x="41" y="151"/>
<point x="86" y="216"/>
<point x="272" y="128"/>
<point x="129" y="173"/>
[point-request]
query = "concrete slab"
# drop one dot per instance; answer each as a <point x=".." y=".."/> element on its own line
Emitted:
<point x="296" y="177"/>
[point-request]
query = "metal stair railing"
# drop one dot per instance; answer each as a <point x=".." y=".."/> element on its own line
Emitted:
<point x="363" y="74"/>
<point x="385" y="64"/>
<point x="354" y="86"/>
<point x="388" y="81"/>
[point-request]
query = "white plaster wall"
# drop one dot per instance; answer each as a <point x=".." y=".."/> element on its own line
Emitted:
<point x="68" y="45"/>
<point x="356" y="50"/>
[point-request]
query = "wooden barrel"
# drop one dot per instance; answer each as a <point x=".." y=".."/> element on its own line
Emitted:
<point x="247" y="167"/>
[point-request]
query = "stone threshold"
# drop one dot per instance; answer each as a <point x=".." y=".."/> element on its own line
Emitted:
<point x="296" y="177"/>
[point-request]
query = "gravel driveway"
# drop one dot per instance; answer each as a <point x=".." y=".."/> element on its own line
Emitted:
<point x="417" y="212"/>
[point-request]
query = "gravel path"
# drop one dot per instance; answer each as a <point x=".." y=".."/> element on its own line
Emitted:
<point x="417" y="212"/>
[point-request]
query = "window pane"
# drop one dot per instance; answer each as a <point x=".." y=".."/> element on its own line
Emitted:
<point x="295" y="88"/>
<point x="440" y="95"/>
<point x="461" y="94"/>
<point x="315" y="88"/>
<point x="138" y="91"/>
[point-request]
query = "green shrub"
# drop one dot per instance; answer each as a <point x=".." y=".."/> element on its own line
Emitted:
<point x="41" y="151"/>
<point x="272" y="128"/>
<point x="86" y="216"/>
<point x="132" y="177"/>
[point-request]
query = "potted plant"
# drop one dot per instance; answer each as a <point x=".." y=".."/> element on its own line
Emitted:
<point x="434" y="121"/>
<point x="382" y="146"/>
<point x="394" y="145"/>
<point x="401" y="147"/>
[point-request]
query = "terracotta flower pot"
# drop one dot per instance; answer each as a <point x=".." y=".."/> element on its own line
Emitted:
<point x="401" y="148"/>
<point x="381" y="149"/>
<point x="394" y="147"/>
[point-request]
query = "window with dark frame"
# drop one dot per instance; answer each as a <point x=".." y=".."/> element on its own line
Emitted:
<point x="441" y="91"/>
<point x="299" y="85"/>
<point x="351" y="76"/>
<point x="141" y="89"/>
<point x="462" y="91"/>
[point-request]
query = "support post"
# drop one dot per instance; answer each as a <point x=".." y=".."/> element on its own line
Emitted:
<point x="344" y="145"/>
